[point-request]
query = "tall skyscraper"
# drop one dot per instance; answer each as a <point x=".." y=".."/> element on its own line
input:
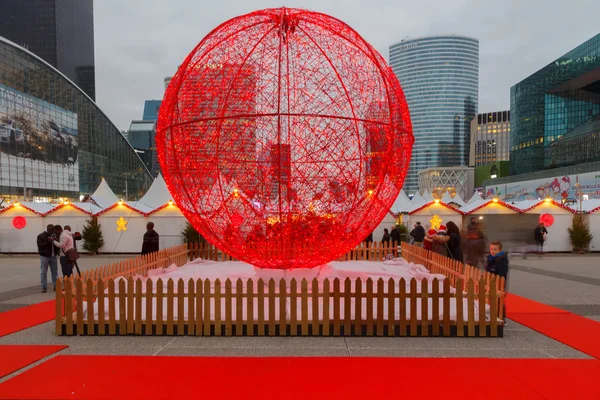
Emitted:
<point x="440" y="79"/>
<point x="61" y="32"/>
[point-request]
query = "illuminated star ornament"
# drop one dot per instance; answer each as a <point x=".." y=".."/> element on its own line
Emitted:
<point x="121" y="225"/>
<point x="284" y="138"/>
<point x="435" y="222"/>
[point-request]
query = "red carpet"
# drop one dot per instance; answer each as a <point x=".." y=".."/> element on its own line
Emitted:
<point x="134" y="377"/>
<point x="15" y="357"/>
<point x="25" y="317"/>
<point x="519" y="305"/>
<point x="577" y="332"/>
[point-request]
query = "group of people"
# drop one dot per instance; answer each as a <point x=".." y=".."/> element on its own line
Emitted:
<point x="57" y="241"/>
<point x="447" y="241"/>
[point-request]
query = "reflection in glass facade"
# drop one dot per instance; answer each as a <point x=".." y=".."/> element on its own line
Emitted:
<point x="440" y="78"/>
<point x="557" y="103"/>
<point x="54" y="140"/>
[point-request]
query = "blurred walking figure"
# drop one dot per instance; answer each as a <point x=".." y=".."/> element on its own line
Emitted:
<point x="540" y="233"/>
<point x="475" y="244"/>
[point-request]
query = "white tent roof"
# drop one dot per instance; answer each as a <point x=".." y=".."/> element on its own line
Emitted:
<point x="458" y="200"/>
<point x="427" y="196"/>
<point x="417" y="200"/>
<point x="41" y="208"/>
<point x="587" y="205"/>
<point x="158" y="195"/>
<point x="473" y="204"/>
<point x="525" y="204"/>
<point x="104" y="196"/>
<point x="402" y="203"/>
<point x="141" y="207"/>
<point x="446" y="198"/>
<point x="89" y="207"/>
<point x="476" y="196"/>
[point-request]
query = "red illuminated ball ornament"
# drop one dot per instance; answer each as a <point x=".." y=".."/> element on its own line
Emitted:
<point x="547" y="220"/>
<point x="19" y="222"/>
<point x="284" y="138"/>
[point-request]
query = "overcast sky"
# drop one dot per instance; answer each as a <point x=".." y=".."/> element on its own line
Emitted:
<point x="139" y="42"/>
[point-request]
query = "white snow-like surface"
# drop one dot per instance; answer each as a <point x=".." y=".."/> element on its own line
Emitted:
<point x="395" y="269"/>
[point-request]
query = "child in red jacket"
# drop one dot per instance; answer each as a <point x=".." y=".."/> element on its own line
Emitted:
<point x="428" y="242"/>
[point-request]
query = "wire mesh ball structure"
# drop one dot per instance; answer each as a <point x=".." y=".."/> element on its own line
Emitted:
<point x="284" y="138"/>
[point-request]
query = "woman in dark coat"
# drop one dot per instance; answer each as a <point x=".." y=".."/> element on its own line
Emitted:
<point x="452" y="240"/>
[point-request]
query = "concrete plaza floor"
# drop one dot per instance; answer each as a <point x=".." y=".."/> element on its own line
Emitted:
<point x="571" y="282"/>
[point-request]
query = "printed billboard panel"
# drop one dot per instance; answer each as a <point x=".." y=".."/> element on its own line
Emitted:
<point x="38" y="143"/>
<point x="560" y="188"/>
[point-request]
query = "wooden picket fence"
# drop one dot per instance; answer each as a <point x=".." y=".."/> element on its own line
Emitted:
<point x="110" y="306"/>
<point x="372" y="251"/>
<point x="452" y="269"/>
<point x="139" y="265"/>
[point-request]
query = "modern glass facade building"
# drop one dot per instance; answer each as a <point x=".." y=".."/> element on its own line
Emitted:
<point x="555" y="112"/>
<point x="440" y="79"/>
<point x="151" y="108"/>
<point x="61" y="32"/>
<point x="54" y="140"/>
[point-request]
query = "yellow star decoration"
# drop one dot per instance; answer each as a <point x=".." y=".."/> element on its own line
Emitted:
<point x="121" y="225"/>
<point x="435" y="222"/>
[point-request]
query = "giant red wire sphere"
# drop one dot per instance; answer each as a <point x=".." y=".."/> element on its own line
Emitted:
<point x="284" y="138"/>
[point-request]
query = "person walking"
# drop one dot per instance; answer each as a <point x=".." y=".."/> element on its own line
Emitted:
<point x="539" y="234"/>
<point x="151" y="239"/>
<point x="65" y="243"/>
<point x="48" y="253"/>
<point x="418" y="233"/>
<point x="475" y="246"/>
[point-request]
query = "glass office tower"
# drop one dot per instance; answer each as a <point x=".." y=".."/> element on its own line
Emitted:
<point x="61" y="32"/>
<point x="440" y="78"/>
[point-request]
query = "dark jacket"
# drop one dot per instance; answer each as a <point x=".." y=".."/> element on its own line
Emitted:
<point x="395" y="235"/>
<point x="454" y="249"/>
<point x="386" y="238"/>
<point x="150" y="244"/>
<point x="539" y="233"/>
<point x="497" y="264"/>
<point x="418" y="233"/>
<point x="45" y="246"/>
